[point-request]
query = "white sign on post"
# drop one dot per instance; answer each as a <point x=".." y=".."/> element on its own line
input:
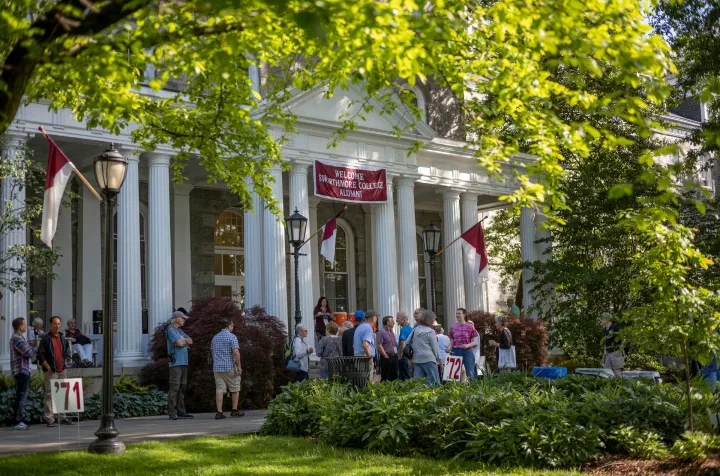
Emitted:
<point x="453" y="368"/>
<point x="67" y="395"/>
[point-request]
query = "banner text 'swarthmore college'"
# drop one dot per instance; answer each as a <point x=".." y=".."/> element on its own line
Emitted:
<point x="350" y="183"/>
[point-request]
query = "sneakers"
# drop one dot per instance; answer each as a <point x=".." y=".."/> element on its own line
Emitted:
<point x="220" y="416"/>
<point x="51" y="424"/>
<point x="67" y="422"/>
<point x="21" y="426"/>
<point x="172" y="417"/>
<point x="186" y="416"/>
<point x="237" y="413"/>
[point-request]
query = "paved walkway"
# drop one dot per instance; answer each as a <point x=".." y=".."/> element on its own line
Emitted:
<point x="132" y="430"/>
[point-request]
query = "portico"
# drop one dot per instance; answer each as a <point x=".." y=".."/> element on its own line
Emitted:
<point x="176" y="242"/>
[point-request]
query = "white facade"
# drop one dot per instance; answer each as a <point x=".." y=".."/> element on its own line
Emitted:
<point x="176" y="242"/>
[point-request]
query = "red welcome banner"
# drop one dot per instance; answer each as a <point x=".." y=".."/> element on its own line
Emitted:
<point x="350" y="183"/>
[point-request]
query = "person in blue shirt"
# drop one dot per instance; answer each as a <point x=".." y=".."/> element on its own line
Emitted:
<point x="178" y="344"/>
<point x="364" y="338"/>
<point x="404" y="370"/>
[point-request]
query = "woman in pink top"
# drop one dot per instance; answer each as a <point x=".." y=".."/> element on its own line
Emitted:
<point x="463" y="339"/>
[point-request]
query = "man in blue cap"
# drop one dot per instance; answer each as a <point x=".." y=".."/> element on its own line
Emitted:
<point x="364" y="338"/>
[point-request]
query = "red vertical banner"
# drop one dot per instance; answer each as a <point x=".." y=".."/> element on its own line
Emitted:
<point x="350" y="183"/>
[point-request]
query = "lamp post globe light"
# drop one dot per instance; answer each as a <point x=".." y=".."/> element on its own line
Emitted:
<point x="431" y="239"/>
<point x="296" y="227"/>
<point x="110" y="169"/>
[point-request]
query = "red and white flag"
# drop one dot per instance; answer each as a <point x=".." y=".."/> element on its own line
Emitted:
<point x="59" y="170"/>
<point x="473" y="243"/>
<point x="327" y="247"/>
<point x="329" y="235"/>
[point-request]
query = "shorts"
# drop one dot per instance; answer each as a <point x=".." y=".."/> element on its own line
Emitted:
<point x="227" y="381"/>
<point x="614" y="360"/>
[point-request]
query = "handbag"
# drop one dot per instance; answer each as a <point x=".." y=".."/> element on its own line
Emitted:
<point x="408" y="351"/>
<point x="293" y="365"/>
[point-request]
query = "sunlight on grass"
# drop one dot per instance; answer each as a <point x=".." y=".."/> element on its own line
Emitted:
<point x="242" y="455"/>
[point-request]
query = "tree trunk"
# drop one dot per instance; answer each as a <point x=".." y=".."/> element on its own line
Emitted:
<point x="688" y="389"/>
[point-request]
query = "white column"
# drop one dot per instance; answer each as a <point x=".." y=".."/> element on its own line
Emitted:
<point x="128" y="350"/>
<point x="62" y="296"/>
<point x="299" y="201"/>
<point x="527" y="252"/>
<point x="408" y="271"/>
<point x="385" y="251"/>
<point x="253" y="233"/>
<point x="452" y="259"/>
<point x="543" y="253"/>
<point x="275" y="282"/>
<point x="474" y="298"/>
<point x="314" y="244"/>
<point x="90" y="284"/>
<point x="160" y="277"/>
<point x="182" y="253"/>
<point x="12" y="196"/>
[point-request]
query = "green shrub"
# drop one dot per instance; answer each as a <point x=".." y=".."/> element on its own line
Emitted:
<point x="510" y="420"/>
<point x="694" y="446"/>
<point x="299" y="409"/>
<point x="128" y="405"/>
<point x="125" y="405"/>
<point x="638" y="443"/>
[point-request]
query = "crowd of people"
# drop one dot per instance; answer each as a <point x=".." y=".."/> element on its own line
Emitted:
<point x="417" y="351"/>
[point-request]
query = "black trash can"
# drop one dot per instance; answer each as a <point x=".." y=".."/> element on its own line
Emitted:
<point x="354" y="370"/>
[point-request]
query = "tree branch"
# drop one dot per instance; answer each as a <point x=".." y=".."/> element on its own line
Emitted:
<point x="20" y="64"/>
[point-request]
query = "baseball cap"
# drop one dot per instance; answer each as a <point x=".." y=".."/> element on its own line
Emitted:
<point x="359" y="315"/>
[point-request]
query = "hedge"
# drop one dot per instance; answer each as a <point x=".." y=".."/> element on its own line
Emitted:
<point x="125" y="405"/>
<point x="512" y="420"/>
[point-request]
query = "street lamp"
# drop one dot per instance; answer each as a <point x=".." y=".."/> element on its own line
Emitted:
<point x="296" y="227"/>
<point x="431" y="239"/>
<point x="110" y="169"/>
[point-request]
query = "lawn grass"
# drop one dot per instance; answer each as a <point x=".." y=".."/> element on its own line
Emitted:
<point x="242" y="455"/>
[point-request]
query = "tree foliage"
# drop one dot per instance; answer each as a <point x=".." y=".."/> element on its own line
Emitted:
<point x="22" y="177"/>
<point x="93" y="57"/>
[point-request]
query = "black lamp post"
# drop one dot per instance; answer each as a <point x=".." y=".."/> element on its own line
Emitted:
<point x="296" y="227"/>
<point x="431" y="239"/>
<point x="110" y="169"/>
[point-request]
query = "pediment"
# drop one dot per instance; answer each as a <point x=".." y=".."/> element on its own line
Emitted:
<point x="314" y="105"/>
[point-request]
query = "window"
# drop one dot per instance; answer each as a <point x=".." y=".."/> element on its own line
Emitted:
<point x="337" y="279"/>
<point x="229" y="256"/>
<point x="421" y="272"/>
<point x="143" y="261"/>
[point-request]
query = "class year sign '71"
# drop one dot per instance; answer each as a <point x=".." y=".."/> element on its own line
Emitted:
<point x="350" y="183"/>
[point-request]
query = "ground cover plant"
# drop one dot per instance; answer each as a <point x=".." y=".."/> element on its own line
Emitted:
<point x="513" y="420"/>
<point x="246" y="455"/>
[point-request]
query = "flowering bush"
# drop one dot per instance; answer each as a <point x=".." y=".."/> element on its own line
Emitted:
<point x="261" y="338"/>
<point x="530" y="338"/>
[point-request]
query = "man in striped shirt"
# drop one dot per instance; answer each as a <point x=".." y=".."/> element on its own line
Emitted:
<point x="20" y="354"/>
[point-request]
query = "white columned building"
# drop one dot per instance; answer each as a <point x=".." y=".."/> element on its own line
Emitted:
<point x="62" y="296"/>
<point x="12" y="193"/>
<point x="407" y="242"/>
<point x="128" y="349"/>
<point x="299" y="201"/>
<point x="452" y="259"/>
<point x="527" y="252"/>
<point x="474" y="296"/>
<point x="253" y="233"/>
<point x="387" y="282"/>
<point x="275" y="283"/>
<point x="160" y="282"/>
<point x="182" y="249"/>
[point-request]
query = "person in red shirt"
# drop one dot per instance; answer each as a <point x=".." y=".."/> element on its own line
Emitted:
<point x="51" y="356"/>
